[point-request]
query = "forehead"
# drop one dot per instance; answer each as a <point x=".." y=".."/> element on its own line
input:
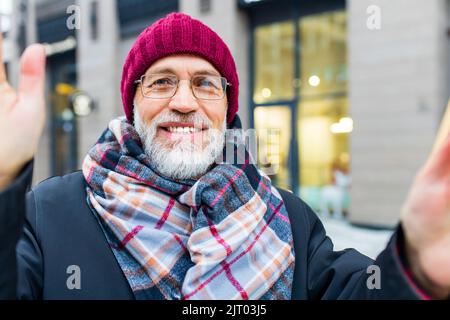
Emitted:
<point x="182" y="64"/>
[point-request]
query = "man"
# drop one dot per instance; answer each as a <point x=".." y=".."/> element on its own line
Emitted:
<point x="152" y="215"/>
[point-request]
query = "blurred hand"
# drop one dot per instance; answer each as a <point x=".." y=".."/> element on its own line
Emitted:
<point x="22" y="113"/>
<point x="426" y="222"/>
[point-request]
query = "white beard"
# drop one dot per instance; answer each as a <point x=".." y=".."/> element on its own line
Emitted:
<point x="181" y="159"/>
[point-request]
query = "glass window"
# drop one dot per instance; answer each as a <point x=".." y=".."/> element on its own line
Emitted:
<point x="323" y="139"/>
<point x="323" y="54"/>
<point x="273" y="130"/>
<point x="64" y="133"/>
<point x="274" y="62"/>
<point x="323" y="120"/>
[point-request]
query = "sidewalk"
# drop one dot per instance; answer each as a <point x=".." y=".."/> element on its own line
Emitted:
<point x="367" y="241"/>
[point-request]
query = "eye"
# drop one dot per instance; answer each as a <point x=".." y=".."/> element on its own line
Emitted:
<point x="162" y="82"/>
<point x="207" y="82"/>
<point x="159" y="82"/>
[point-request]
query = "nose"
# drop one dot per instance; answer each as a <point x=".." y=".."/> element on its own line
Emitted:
<point x="183" y="100"/>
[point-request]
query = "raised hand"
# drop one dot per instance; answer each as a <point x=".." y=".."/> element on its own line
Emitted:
<point x="22" y="113"/>
<point x="426" y="222"/>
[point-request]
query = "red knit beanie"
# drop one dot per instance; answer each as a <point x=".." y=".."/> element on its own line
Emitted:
<point x="178" y="33"/>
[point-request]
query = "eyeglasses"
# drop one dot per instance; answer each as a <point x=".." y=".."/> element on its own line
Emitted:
<point x="164" y="86"/>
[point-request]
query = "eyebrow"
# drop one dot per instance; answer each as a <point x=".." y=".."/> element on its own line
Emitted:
<point x="170" y="70"/>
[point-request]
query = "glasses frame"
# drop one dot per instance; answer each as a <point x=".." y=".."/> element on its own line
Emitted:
<point x="223" y="79"/>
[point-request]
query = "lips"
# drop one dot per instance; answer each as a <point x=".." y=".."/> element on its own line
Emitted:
<point x="182" y="127"/>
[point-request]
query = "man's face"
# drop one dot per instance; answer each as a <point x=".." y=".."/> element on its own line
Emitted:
<point x="188" y="152"/>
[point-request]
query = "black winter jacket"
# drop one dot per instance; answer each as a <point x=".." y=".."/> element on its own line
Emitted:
<point x="51" y="227"/>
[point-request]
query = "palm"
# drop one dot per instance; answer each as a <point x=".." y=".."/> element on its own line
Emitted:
<point x="426" y="217"/>
<point x="22" y="113"/>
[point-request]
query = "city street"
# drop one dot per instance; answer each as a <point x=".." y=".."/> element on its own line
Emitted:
<point x="367" y="241"/>
<point x="142" y="140"/>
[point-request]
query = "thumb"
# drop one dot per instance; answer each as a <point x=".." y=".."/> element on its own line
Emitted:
<point x="32" y="72"/>
<point x="438" y="163"/>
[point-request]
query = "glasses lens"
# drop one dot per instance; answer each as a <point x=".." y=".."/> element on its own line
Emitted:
<point x="159" y="85"/>
<point x="208" y="87"/>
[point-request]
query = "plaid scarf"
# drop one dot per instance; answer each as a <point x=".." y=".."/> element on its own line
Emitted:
<point x="226" y="235"/>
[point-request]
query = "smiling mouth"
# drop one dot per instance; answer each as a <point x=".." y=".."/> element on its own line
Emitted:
<point x="182" y="128"/>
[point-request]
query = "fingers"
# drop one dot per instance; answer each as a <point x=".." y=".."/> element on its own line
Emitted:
<point x="444" y="129"/>
<point x="439" y="163"/>
<point x="32" y="72"/>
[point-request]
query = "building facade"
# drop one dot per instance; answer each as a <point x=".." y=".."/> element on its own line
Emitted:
<point x="349" y="93"/>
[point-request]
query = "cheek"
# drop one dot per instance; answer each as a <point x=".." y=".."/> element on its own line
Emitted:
<point x="217" y="114"/>
<point x="148" y="111"/>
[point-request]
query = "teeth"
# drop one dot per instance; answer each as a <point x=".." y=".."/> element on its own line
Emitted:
<point x="183" y="129"/>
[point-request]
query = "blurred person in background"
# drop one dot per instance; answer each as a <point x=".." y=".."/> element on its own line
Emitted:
<point x="333" y="196"/>
<point x="153" y="215"/>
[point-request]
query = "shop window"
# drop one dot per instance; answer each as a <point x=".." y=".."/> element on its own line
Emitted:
<point x="274" y="62"/>
<point x="300" y="70"/>
<point x="273" y="142"/>
<point x="323" y="124"/>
